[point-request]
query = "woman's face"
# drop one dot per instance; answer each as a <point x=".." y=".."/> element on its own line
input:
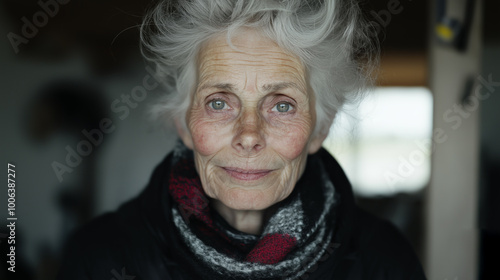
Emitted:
<point x="250" y="121"/>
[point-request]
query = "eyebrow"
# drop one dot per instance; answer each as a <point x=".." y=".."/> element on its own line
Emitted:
<point x="279" y="86"/>
<point x="219" y="86"/>
<point x="265" y="88"/>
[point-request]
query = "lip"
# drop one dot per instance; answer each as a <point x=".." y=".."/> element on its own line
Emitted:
<point x="247" y="174"/>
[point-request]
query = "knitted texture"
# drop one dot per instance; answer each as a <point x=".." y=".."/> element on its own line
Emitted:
<point x="292" y="241"/>
<point x="272" y="248"/>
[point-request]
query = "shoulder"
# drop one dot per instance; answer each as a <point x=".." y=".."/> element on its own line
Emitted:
<point x="127" y="241"/>
<point x="130" y="243"/>
<point x="96" y="250"/>
<point x="371" y="248"/>
<point x="381" y="249"/>
<point x="118" y="245"/>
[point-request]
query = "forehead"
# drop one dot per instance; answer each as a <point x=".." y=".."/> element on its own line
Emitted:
<point x="252" y="57"/>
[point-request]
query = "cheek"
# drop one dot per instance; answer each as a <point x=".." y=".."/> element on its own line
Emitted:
<point x="291" y="142"/>
<point x="205" y="139"/>
<point x="208" y="136"/>
<point x="293" y="147"/>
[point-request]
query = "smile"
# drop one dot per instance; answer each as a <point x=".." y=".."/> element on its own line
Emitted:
<point x="247" y="174"/>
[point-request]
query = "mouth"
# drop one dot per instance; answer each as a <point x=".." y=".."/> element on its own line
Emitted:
<point x="247" y="174"/>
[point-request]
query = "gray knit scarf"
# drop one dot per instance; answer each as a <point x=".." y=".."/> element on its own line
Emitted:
<point x="307" y="215"/>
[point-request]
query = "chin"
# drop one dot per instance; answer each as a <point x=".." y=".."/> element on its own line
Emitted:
<point x="238" y="198"/>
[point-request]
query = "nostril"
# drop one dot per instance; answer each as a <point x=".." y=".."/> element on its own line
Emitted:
<point x="249" y="140"/>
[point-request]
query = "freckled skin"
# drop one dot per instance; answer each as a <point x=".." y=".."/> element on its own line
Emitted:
<point x="249" y="133"/>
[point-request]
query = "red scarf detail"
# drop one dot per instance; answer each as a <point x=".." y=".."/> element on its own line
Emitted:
<point x="193" y="204"/>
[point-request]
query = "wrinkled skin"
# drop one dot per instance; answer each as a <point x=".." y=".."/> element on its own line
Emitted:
<point x="250" y="125"/>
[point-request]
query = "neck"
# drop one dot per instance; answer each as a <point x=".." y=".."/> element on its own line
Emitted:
<point x="247" y="221"/>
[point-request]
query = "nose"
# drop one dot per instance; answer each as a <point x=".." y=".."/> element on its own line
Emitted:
<point x="249" y="137"/>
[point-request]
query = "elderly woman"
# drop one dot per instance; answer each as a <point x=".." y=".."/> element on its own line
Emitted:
<point x="248" y="192"/>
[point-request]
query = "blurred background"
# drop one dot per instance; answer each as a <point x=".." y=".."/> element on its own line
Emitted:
<point x="423" y="150"/>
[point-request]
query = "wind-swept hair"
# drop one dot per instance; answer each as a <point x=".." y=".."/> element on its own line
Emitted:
<point x="330" y="37"/>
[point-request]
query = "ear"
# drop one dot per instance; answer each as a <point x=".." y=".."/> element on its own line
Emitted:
<point x="316" y="142"/>
<point x="184" y="134"/>
<point x="318" y="139"/>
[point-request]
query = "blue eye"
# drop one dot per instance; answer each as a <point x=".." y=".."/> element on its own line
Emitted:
<point x="218" y="104"/>
<point x="282" y="107"/>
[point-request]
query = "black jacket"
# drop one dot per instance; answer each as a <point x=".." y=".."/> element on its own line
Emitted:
<point x="139" y="241"/>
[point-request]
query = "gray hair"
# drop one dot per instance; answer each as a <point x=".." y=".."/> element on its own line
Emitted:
<point x="329" y="36"/>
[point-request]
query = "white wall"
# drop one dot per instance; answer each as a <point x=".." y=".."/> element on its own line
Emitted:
<point x="452" y="235"/>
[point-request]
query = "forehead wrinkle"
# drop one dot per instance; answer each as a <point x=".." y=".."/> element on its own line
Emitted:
<point x="211" y="67"/>
<point x="226" y="53"/>
<point x="230" y="62"/>
<point x="219" y="86"/>
<point x="218" y="57"/>
<point x="218" y="60"/>
<point x="208" y="74"/>
<point x="246" y="79"/>
<point x="210" y="82"/>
